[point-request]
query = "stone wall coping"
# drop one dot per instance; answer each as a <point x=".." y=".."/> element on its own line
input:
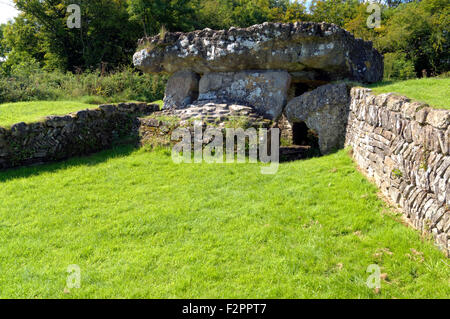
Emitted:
<point x="407" y="108"/>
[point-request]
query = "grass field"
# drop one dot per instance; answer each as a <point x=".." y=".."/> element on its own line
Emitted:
<point x="11" y="113"/>
<point x="160" y="103"/>
<point x="139" y="225"/>
<point x="433" y="91"/>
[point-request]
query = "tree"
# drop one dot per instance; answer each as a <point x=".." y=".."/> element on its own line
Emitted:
<point x="21" y="43"/>
<point x="358" y="24"/>
<point x="173" y="15"/>
<point x="421" y="31"/>
<point x="215" y="14"/>
<point x="416" y="31"/>
<point x="334" y="11"/>
<point x="392" y="3"/>
<point x="3" y="48"/>
<point x="106" y="34"/>
<point x="295" y="11"/>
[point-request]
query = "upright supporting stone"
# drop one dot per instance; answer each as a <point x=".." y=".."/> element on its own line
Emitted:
<point x="324" y="110"/>
<point x="181" y="89"/>
<point x="265" y="91"/>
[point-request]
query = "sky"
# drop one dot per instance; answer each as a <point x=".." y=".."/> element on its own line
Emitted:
<point x="7" y="10"/>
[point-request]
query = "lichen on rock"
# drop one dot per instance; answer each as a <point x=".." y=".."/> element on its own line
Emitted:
<point x="294" y="47"/>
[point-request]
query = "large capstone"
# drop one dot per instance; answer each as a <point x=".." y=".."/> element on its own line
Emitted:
<point x="325" y="110"/>
<point x="324" y="50"/>
<point x="265" y="91"/>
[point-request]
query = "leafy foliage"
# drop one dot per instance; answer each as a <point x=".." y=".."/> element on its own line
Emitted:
<point x="27" y="82"/>
<point x="421" y="31"/>
<point x="175" y="15"/>
<point x="3" y="48"/>
<point x="397" y="66"/>
<point x="415" y="32"/>
<point x="106" y="34"/>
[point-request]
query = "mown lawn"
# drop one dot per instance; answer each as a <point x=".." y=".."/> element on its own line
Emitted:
<point x="11" y="113"/>
<point x="160" y="103"/>
<point x="433" y="91"/>
<point x="140" y="226"/>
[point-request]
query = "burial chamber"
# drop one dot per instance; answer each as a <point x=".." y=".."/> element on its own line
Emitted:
<point x="274" y="68"/>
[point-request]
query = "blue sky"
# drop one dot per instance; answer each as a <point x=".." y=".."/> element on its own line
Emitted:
<point x="7" y="10"/>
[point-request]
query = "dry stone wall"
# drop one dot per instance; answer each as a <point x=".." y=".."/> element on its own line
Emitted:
<point x="404" y="147"/>
<point x="61" y="137"/>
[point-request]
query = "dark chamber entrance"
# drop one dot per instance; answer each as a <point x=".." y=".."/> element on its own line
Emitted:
<point x="304" y="143"/>
<point x="303" y="136"/>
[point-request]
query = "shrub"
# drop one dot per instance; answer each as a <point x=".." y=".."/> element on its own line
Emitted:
<point x="27" y="83"/>
<point x="398" y="67"/>
<point x="444" y="75"/>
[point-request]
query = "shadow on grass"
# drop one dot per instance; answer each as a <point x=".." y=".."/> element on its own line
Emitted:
<point x="88" y="160"/>
<point x="287" y="154"/>
<point x="380" y="84"/>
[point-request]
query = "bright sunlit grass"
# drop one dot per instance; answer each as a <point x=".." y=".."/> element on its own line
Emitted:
<point x="11" y="113"/>
<point x="139" y="225"/>
<point x="433" y="91"/>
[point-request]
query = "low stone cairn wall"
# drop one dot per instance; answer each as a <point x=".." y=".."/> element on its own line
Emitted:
<point x="79" y="133"/>
<point x="404" y="147"/>
<point x="156" y="130"/>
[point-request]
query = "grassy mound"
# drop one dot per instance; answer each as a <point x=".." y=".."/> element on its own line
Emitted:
<point x="433" y="91"/>
<point x="11" y="113"/>
<point x="139" y="225"/>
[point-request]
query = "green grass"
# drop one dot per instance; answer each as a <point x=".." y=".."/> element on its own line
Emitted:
<point x="433" y="91"/>
<point x="139" y="225"/>
<point x="11" y="113"/>
<point x="160" y="103"/>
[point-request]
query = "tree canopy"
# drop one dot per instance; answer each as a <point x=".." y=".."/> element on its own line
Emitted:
<point x="414" y="31"/>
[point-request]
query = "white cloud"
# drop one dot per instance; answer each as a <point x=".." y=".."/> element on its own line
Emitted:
<point x="7" y="11"/>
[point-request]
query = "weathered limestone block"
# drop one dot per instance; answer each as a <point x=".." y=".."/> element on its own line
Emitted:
<point x="439" y="118"/>
<point x="395" y="103"/>
<point x="324" y="110"/>
<point x="265" y="91"/>
<point x="421" y="115"/>
<point x="326" y="50"/>
<point x="181" y="89"/>
<point x="446" y="148"/>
